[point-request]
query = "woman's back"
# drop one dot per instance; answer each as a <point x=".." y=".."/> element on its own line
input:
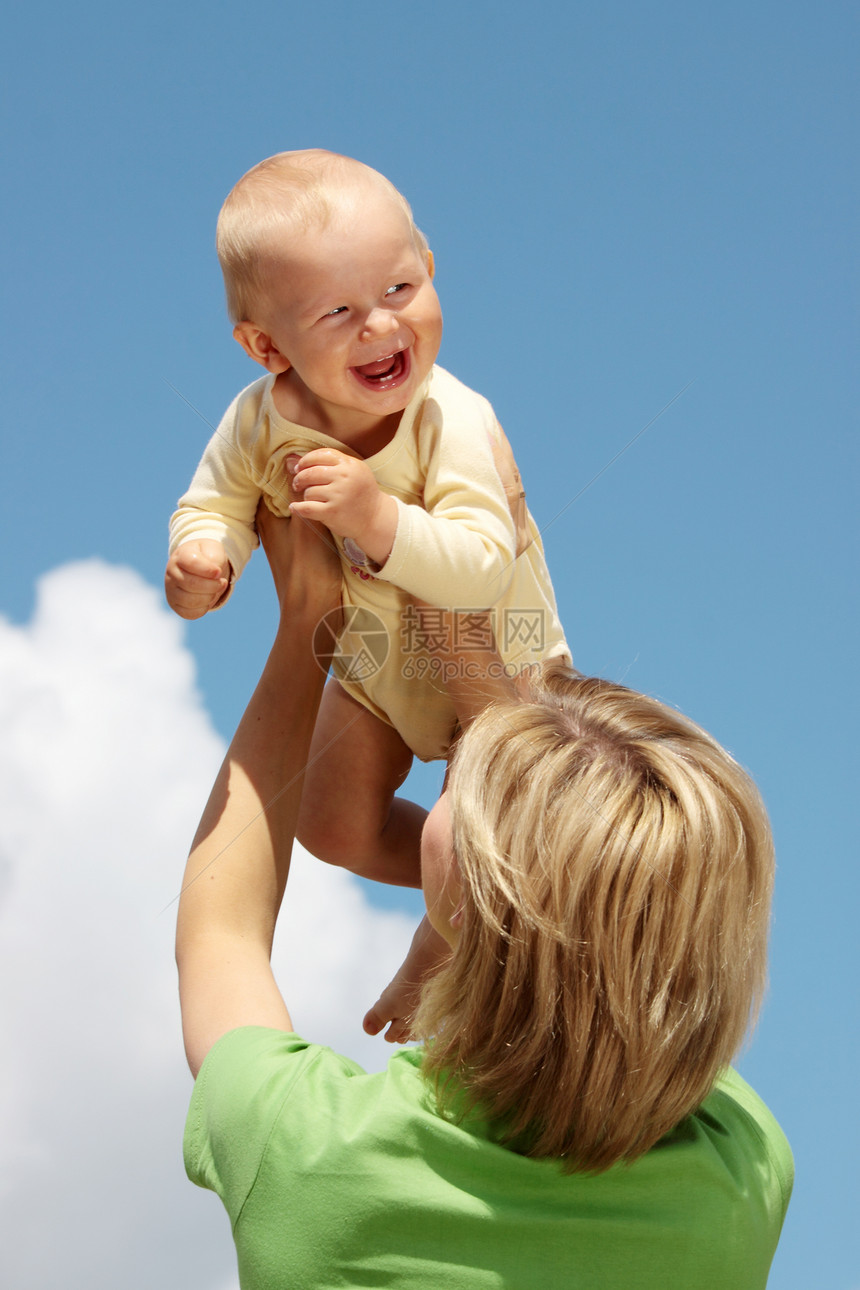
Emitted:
<point x="333" y="1177"/>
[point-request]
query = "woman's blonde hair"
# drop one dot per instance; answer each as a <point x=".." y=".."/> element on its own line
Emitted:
<point x="616" y="867"/>
<point x="286" y="193"/>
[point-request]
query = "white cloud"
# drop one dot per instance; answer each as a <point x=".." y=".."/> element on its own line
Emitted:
<point x="106" y="756"/>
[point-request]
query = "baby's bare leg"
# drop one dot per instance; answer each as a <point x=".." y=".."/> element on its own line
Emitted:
<point x="349" y="815"/>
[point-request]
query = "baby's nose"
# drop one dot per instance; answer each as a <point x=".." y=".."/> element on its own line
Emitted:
<point x="380" y="322"/>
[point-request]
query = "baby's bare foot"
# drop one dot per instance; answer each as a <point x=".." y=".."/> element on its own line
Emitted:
<point x="396" y="1006"/>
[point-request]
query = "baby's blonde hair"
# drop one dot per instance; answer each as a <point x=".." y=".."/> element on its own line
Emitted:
<point x="289" y="192"/>
<point x="616" y="866"/>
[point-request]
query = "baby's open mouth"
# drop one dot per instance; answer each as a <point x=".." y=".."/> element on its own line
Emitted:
<point x="384" y="373"/>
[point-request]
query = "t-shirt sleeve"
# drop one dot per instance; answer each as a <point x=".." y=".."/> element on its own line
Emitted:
<point x="238" y="1095"/>
<point x="457" y="549"/>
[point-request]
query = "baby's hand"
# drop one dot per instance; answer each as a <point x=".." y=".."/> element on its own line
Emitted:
<point x="341" y="492"/>
<point x="196" y="578"/>
<point x="396" y="1006"/>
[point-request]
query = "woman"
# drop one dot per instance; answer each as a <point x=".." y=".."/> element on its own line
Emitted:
<point x="601" y="871"/>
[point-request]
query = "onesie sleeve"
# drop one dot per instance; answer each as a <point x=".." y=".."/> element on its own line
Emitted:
<point x="222" y="499"/>
<point x="457" y="549"/>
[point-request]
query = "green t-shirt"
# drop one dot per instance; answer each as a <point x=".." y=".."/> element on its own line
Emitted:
<point x="335" y="1177"/>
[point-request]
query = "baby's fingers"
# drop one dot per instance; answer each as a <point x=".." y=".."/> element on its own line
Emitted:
<point x="318" y="467"/>
<point x="317" y="457"/>
<point x="200" y="560"/>
<point x="191" y="596"/>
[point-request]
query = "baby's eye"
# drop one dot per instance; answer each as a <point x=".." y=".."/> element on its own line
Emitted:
<point x="341" y="309"/>
<point x="401" y="286"/>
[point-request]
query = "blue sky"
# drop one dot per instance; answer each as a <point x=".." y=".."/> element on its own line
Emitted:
<point x="642" y="216"/>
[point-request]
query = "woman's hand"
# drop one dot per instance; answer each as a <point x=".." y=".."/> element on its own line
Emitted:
<point x="304" y="562"/>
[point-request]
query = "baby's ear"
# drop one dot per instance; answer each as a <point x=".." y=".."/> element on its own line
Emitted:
<point x="259" y="345"/>
<point x="431" y="263"/>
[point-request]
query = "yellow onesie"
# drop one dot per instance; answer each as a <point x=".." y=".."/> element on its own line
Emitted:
<point x="464" y="542"/>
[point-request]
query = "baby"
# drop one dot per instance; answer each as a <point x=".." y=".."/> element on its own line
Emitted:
<point x="330" y="287"/>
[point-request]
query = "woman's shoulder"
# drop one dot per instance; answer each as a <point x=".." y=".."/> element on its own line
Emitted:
<point x="749" y="1121"/>
<point x="253" y="1078"/>
<point x="251" y="1058"/>
<point x="250" y="1072"/>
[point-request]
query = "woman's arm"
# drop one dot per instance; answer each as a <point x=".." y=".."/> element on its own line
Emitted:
<point x="237" y="871"/>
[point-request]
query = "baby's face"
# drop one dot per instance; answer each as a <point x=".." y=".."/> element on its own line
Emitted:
<point x="354" y="316"/>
